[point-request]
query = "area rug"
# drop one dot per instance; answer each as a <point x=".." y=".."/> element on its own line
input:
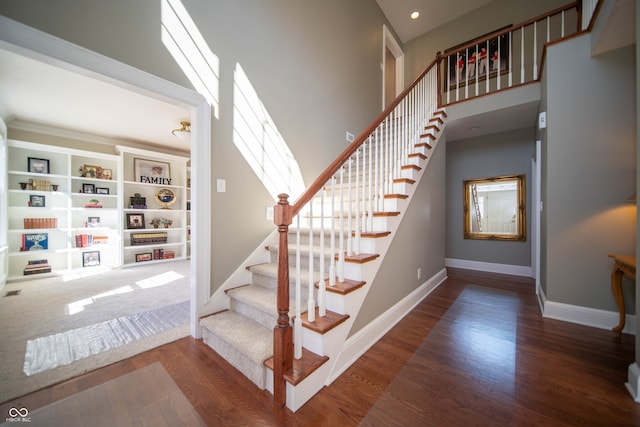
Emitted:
<point x="472" y="344"/>
<point x="69" y="346"/>
<point x="145" y="397"/>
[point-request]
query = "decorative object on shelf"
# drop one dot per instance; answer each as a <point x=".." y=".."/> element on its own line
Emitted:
<point x="93" y="203"/>
<point x="155" y="222"/>
<point x="23" y="185"/>
<point x="35" y="241"/>
<point x="102" y="190"/>
<point x="148" y="238"/>
<point x="166" y="197"/>
<point x="31" y="223"/>
<point x="137" y="201"/>
<point x="135" y="220"/>
<point x="37" y="266"/>
<point x="93" y="221"/>
<point x="90" y="259"/>
<point x="146" y="256"/>
<point x="105" y="173"/>
<point x="40" y="184"/>
<point x="36" y="201"/>
<point x="184" y="131"/>
<point x="164" y="221"/>
<point x="152" y="171"/>
<point x="88" y="188"/>
<point x="89" y="171"/>
<point x="54" y="187"/>
<point x="36" y="165"/>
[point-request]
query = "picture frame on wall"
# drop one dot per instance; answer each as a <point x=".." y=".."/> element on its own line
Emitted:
<point x="93" y="221"/>
<point x="37" y="165"/>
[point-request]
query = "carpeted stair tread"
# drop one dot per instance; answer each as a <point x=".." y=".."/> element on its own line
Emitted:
<point x="242" y="333"/>
<point x="271" y="270"/>
<point x="261" y="298"/>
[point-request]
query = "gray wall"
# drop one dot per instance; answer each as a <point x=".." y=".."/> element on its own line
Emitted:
<point x="590" y="152"/>
<point x="418" y="243"/>
<point x="507" y="153"/>
<point x="315" y="66"/>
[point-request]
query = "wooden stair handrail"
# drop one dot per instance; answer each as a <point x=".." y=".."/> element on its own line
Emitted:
<point x="325" y="176"/>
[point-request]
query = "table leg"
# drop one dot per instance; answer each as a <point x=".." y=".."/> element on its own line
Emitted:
<point x="616" y="288"/>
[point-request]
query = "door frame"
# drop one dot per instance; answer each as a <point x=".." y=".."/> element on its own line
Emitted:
<point x="390" y="43"/>
<point x="35" y="44"/>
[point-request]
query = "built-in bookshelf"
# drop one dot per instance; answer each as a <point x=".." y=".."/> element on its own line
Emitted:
<point x="155" y="225"/>
<point x="63" y="210"/>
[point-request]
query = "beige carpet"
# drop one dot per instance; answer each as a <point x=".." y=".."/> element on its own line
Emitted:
<point x="145" y="397"/>
<point x="45" y="307"/>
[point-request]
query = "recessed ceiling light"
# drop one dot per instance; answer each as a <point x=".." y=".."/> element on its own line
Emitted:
<point x="415" y="15"/>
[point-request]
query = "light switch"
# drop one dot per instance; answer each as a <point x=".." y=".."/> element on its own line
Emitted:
<point x="221" y="185"/>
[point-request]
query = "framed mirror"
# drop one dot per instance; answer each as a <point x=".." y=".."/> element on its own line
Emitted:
<point x="495" y="208"/>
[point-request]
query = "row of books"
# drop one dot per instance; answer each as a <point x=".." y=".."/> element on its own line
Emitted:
<point x="86" y="240"/>
<point x="160" y="253"/>
<point x="37" y="266"/>
<point x="40" y="223"/>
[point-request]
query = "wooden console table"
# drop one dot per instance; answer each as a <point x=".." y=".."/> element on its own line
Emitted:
<point x="624" y="265"/>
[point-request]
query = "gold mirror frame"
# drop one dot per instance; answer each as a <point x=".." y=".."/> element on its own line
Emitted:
<point x="517" y="210"/>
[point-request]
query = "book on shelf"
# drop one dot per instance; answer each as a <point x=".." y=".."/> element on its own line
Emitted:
<point x="30" y="223"/>
<point x="37" y="266"/>
<point x="86" y="240"/>
<point x="34" y="241"/>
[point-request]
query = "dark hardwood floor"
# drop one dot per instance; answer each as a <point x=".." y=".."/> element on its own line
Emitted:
<point x="475" y="352"/>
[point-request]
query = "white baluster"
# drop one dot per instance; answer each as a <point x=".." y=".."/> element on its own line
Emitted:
<point x="535" y="50"/>
<point x="349" y="209"/>
<point x="297" y="322"/>
<point x="487" y="68"/>
<point x="322" y="284"/>
<point x="332" y="261"/>
<point x="341" y="242"/>
<point x="522" y="57"/>
<point x="562" y="30"/>
<point x="498" y="66"/>
<point x="311" y="313"/>
<point x="510" y="60"/>
<point x="356" y="247"/>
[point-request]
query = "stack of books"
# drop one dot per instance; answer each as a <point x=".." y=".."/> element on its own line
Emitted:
<point x="37" y="266"/>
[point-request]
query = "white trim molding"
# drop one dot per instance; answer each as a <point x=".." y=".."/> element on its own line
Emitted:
<point x="633" y="381"/>
<point x="359" y="343"/>
<point x="601" y="319"/>
<point x="514" y="270"/>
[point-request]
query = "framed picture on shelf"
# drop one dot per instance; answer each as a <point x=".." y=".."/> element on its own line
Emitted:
<point x="102" y="190"/>
<point x="90" y="259"/>
<point x="152" y="171"/>
<point x="135" y="220"/>
<point x="36" y="201"/>
<point x="37" y="165"/>
<point x="146" y="256"/>
<point x="93" y="221"/>
<point x="89" y="171"/>
<point x="88" y="188"/>
<point x="105" y="173"/>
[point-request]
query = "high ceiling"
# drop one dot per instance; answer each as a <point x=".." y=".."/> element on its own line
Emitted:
<point x="433" y="13"/>
<point x="32" y="91"/>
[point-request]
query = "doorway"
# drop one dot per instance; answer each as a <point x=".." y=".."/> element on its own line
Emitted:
<point x="392" y="68"/>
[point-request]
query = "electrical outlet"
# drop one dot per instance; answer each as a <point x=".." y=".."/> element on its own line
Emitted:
<point x="350" y="137"/>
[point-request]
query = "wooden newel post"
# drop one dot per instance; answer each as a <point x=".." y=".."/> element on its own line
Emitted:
<point x="283" y="332"/>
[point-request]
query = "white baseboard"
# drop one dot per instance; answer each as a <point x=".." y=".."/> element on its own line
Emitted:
<point x="359" y="343"/>
<point x="601" y="319"/>
<point x="633" y="381"/>
<point x="514" y="270"/>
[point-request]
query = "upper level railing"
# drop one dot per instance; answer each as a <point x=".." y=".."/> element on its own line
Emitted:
<point x="510" y="57"/>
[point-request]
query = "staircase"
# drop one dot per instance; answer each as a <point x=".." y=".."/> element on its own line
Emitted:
<point x="340" y="231"/>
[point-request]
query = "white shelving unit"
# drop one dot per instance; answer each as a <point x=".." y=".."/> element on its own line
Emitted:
<point x="45" y="182"/>
<point x="147" y="181"/>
